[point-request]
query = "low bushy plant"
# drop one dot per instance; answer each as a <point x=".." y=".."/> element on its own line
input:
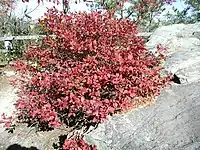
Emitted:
<point x="77" y="144"/>
<point x="90" y="66"/>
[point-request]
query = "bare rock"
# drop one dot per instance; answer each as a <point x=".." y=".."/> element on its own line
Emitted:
<point x="171" y="123"/>
<point x="183" y="50"/>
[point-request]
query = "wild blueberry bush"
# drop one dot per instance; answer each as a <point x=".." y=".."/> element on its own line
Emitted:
<point x="90" y="65"/>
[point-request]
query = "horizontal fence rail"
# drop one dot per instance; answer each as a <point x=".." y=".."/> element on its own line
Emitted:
<point x="29" y="37"/>
<point x="8" y="39"/>
<point x="35" y="37"/>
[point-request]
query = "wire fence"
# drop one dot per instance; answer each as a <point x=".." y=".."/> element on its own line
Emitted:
<point x="8" y="39"/>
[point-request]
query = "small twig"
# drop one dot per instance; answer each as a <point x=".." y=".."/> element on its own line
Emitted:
<point x="129" y="15"/>
<point x="32" y="10"/>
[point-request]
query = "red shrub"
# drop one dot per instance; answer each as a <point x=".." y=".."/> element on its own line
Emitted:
<point x="77" y="144"/>
<point x="7" y="121"/>
<point x="92" y="66"/>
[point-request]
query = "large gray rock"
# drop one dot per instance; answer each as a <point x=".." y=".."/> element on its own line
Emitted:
<point x="172" y="123"/>
<point x="183" y="44"/>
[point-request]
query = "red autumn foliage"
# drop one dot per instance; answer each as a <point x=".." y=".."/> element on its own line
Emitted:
<point x="77" y="144"/>
<point x="93" y="65"/>
<point x="7" y="121"/>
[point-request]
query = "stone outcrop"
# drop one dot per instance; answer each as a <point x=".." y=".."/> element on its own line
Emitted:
<point x="172" y="123"/>
<point x="183" y="50"/>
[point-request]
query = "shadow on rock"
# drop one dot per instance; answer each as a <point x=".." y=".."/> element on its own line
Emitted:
<point x="18" y="147"/>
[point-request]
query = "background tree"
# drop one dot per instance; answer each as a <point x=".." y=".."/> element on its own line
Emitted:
<point x="141" y="12"/>
<point x="6" y="5"/>
<point x="190" y="14"/>
<point x="194" y="3"/>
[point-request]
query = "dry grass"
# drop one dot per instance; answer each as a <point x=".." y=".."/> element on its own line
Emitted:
<point x="140" y="102"/>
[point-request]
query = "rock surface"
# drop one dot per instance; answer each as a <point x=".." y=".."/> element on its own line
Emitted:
<point x="172" y="123"/>
<point x="183" y="50"/>
<point x="28" y="137"/>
